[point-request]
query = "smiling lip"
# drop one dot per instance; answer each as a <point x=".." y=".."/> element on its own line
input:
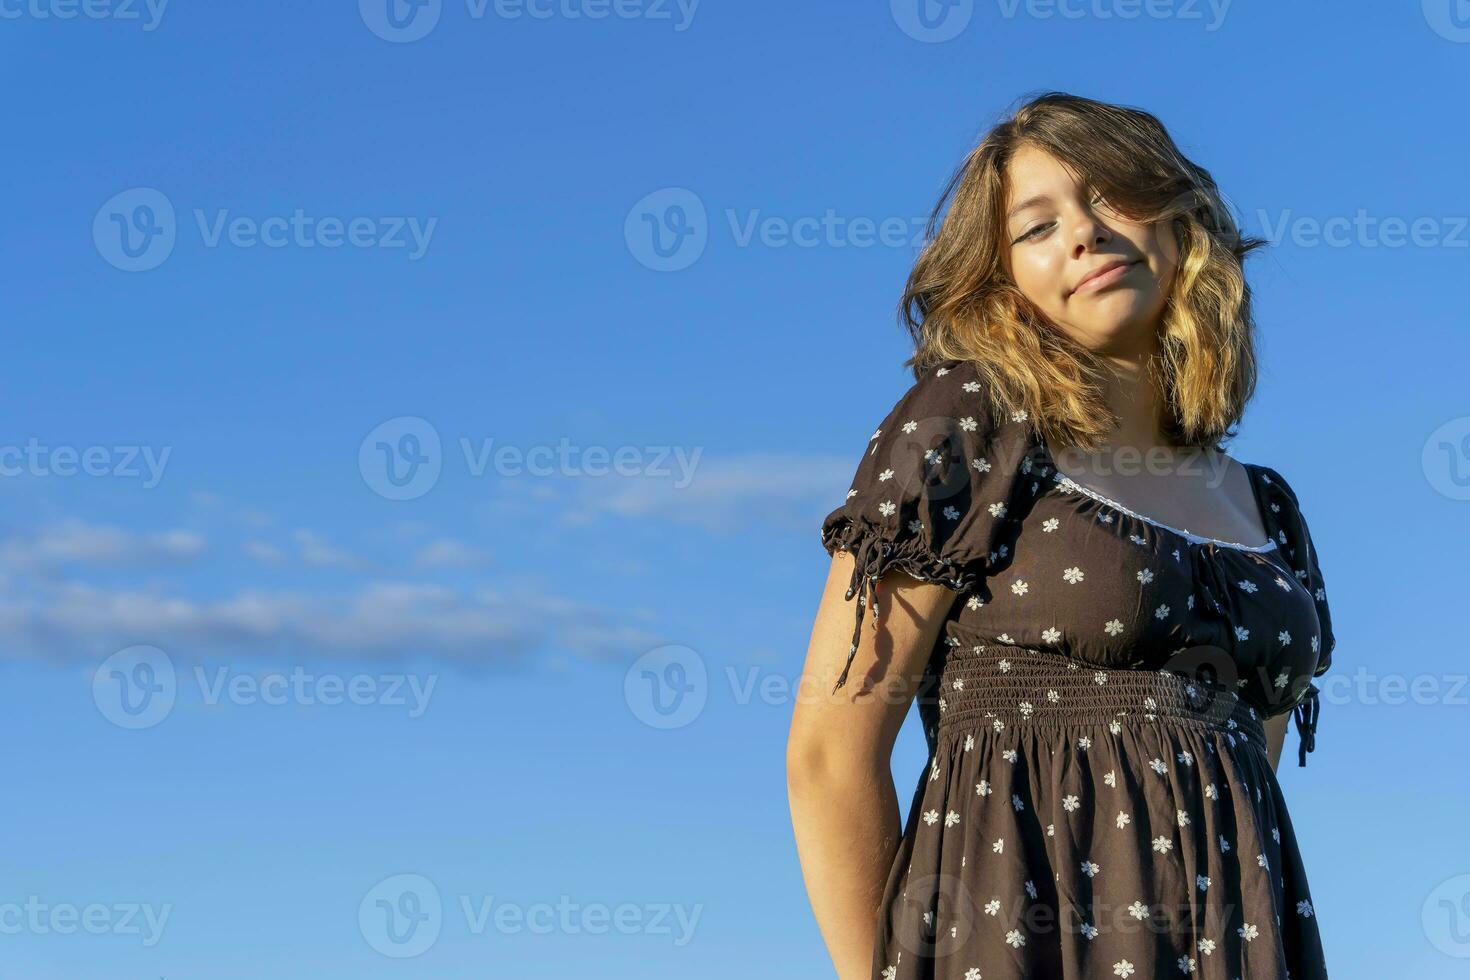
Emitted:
<point x="1104" y="277"/>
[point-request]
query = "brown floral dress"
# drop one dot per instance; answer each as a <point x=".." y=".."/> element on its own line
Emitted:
<point x="1098" y="801"/>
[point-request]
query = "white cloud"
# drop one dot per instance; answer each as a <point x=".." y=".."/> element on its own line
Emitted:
<point x="447" y="553"/>
<point x="384" y="619"/>
<point x="75" y="543"/>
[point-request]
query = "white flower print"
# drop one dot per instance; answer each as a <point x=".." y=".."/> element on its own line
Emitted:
<point x="1186" y="758"/>
<point x="1285" y="585"/>
<point x="1317" y="643"/>
<point x="1115" y="727"/>
<point x="887" y="508"/>
<point x="885" y="475"/>
<point x="1089" y="930"/>
<point x="1019" y="415"/>
<point x="951" y="818"/>
<point x="909" y="427"/>
<point x="1015" y="938"/>
<point x="1162" y="844"/>
<point x="1090" y="869"/>
<point x="1017" y="802"/>
<point x="1189" y="601"/>
<point x="1212" y="791"/>
<point x="1205" y="946"/>
<point x="1006" y="639"/>
<point x="1070" y="803"/>
<point x="1136" y="539"/>
<point x="997" y="509"/>
<point x="1182" y="816"/>
<point x="1026" y="709"/>
<point x="1113" y="627"/>
<point x="1304" y="909"/>
<point x="1246" y="585"/>
<point x="1051" y="830"/>
<point x="932" y="456"/>
<point x="1111" y="777"/>
<point x="999" y="846"/>
<point x="1282" y="678"/>
<point x="971" y="386"/>
<point x="1158" y="766"/>
<point x="982" y="464"/>
<point x="1150" y="703"/>
<point x="1138" y="910"/>
<point x="968" y="423"/>
<point x="969" y="742"/>
<point x="1123" y="820"/>
<point x="1030" y="889"/>
<point x="1105" y="518"/>
<point x="975" y="602"/>
<point x="915" y="527"/>
<point x="1202" y="882"/>
<point x="992" y="907"/>
<point x="1261" y="860"/>
<point x="1009" y="755"/>
<point x="1224" y="844"/>
<point x="951" y="513"/>
<point x="1051" y="634"/>
<point x="931" y="817"/>
<point x="1186" y="964"/>
<point x="1123" y="968"/>
<point x="1004" y="666"/>
<point x="1084" y="743"/>
<point x="1248" y="932"/>
<point x="1019" y="586"/>
<point x="1053" y="696"/>
<point x="1050" y="524"/>
<point x="1241" y="633"/>
<point x="1284" y="638"/>
<point x="1162" y="612"/>
<point x="1146" y="576"/>
<point x="889" y="972"/>
<point x="1099" y="677"/>
<point x="973" y="973"/>
<point x="1073" y="575"/>
<point x="1276" y="834"/>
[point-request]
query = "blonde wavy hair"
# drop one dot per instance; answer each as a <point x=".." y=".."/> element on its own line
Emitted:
<point x="961" y="303"/>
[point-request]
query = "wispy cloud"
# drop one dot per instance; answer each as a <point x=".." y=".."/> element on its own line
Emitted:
<point x="78" y="544"/>
<point x="448" y="553"/>
<point x="726" y="493"/>
<point x="385" y="619"/>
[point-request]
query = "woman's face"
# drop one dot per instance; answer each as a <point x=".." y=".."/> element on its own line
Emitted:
<point x="1057" y="238"/>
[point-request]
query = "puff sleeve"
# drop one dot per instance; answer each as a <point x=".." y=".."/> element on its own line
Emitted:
<point x="1295" y="537"/>
<point x="935" y="492"/>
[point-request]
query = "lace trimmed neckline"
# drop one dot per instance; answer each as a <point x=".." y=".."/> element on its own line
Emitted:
<point x="1071" y="484"/>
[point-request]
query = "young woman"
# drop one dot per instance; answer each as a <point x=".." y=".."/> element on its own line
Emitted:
<point x="1105" y="619"/>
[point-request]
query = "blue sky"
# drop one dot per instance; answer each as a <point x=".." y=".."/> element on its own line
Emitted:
<point x="249" y="246"/>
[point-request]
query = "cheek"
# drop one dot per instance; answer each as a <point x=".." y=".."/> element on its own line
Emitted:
<point x="1038" y="275"/>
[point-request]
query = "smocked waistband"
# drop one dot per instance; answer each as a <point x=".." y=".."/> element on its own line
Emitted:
<point x="997" y="685"/>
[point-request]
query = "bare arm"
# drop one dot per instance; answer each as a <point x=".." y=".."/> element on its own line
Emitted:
<point x="844" y="809"/>
<point x="1275" y="736"/>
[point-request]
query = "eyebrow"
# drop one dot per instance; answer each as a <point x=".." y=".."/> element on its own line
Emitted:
<point x="1028" y="203"/>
